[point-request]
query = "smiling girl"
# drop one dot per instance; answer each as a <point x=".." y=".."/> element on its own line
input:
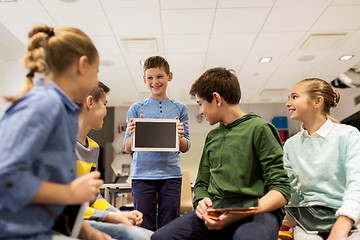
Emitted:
<point x="323" y="158"/>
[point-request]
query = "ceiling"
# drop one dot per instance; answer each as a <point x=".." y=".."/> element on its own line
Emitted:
<point x="304" y="38"/>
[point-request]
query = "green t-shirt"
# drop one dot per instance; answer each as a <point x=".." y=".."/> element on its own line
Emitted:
<point x="243" y="158"/>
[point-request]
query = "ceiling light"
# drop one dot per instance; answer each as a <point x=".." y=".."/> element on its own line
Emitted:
<point x="346" y="57"/>
<point x="322" y="42"/>
<point x="8" y="0"/>
<point x="306" y="58"/>
<point x="139" y="46"/>
<point x="106" y="63"/>
<point x="276" y="92"/>
<point x="265" y="59"/>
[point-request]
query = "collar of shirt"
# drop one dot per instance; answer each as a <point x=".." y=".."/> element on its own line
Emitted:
<point x="65" y="99"/>
<point x="322" y="132"/>
<point x="157" y="100"/>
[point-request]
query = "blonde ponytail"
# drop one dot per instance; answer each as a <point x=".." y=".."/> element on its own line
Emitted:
<point x="54" y="51"/>
<point x="35" y="58"/>
<point x="318" y="87"/>
<point x="336" y="99"/>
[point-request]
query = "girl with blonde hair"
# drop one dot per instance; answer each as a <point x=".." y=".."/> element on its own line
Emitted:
<point x="38" y="134"/>
<point x="323" y="159"/>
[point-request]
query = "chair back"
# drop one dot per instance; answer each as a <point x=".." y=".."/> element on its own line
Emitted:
<point x="186" y="204"/>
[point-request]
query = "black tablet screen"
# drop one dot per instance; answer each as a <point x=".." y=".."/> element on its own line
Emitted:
<point x="155" y="135"/>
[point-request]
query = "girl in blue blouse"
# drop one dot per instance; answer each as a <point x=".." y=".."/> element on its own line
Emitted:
<point x="323" y="159"/>
<point x="38" y="134"/>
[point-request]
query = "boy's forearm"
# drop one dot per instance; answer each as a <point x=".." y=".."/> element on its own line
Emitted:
<point x="271" y="201"/>
<point x="53" y="193"/>
<point x="183" y="144"/>
<point x="128" y="145"/>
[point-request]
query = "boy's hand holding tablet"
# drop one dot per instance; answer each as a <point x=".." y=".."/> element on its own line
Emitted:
<point x="223" y="212"/>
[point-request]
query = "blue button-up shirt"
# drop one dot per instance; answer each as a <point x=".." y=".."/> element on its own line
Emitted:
<point x="158" y="165"/>
<point x="37" y="139"/>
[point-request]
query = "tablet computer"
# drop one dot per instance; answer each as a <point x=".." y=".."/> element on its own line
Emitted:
<point x="314" y="219"/>
<point x="235" y="204"/>
<point x="232" y="205"/>
<point x="155" y="135"/>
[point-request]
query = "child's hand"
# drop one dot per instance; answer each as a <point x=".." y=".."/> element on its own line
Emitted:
<point x="85" y="188"/>
<point x="89" y="233"/>
<point x="225" y="219"/>
<point x="204" y="204"/>
<point x="131" y="218"/>
<point x="131" y="126"/>
<point x="97" y="235"/>
<point x="288" y="222"/>
<point x="180" y="128"/>
<point x="137" y="216"/>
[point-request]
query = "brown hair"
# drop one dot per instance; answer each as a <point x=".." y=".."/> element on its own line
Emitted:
<point x="99" y="91"/>
<point x="220" y="80"/>
<point x="54" y="51"/>
<point x="156" y="62"/>
<point x="317" y="87"/>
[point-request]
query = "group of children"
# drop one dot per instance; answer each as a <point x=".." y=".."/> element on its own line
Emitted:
<point x="243" y="157"/>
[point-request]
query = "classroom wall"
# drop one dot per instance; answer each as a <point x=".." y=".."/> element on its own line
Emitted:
<point x="347" y="105"/>
<point x="12" y="73"/>
<point x="12" y="77"/>
<point x="104" y="138"/>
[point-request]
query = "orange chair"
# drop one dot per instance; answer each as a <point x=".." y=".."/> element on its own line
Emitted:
<point x="285" y="234"/>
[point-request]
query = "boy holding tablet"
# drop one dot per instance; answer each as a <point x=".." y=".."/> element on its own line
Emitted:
<point x="242" y="158"/>
<point x="156" y="176"/>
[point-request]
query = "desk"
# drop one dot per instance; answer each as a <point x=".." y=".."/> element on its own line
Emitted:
<point x="112" y="189"/>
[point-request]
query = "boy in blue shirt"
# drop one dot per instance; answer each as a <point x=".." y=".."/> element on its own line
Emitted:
<point x="156" y="176"/>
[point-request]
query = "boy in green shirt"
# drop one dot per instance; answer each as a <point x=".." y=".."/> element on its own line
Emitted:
<point x="242" y="158"/>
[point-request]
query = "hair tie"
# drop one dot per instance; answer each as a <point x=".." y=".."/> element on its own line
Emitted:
<point x="50" y="32"/>
<point x="30" y="74"/>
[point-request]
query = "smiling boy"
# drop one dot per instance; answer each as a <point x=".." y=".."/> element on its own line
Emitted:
<point x="156" y="176"/>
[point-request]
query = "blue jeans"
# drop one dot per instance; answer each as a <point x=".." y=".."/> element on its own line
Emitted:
<point x="263" y="226"/>
<point x="159" y="198"/>
<point x="121" y="231"/>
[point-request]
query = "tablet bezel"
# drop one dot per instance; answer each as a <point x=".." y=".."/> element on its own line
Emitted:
<point x="157" y="149"/>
